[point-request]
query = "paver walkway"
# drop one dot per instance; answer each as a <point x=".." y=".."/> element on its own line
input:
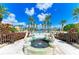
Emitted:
<point x="62" y="48"/>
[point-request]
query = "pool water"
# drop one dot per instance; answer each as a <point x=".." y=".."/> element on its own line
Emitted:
<point x="40" y="43"/>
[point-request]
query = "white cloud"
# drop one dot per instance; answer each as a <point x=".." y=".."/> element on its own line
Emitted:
<point x="29" y="12"/>
<point x="11" y="19"/>
<point x="42" y="16"/>
<point x="20" y="23"/>
<point x="5" y="21"/>
<point x="11" y="15"/>
<point x="44" y="6"/>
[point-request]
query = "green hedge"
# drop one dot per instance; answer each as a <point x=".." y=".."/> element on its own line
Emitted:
<point x="69" y="26"/>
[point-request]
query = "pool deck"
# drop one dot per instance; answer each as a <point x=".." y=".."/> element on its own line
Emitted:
<point x="61" y="48"/>
<point x="65" y="49"/>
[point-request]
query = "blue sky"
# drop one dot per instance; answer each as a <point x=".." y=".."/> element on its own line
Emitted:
<point x="58" y="11"/>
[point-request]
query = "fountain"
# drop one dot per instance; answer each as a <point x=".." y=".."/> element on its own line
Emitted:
<point x="38" y="44"/>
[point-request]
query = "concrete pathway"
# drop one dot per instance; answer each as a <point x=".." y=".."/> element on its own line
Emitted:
<point x="61" y="48"/>
<point x="15" y="48"/>
<point x="65" y="48"/>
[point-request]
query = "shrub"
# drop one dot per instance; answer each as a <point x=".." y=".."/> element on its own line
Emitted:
<point x="78" y="30"/>
<point x="69" y="26"/>
<point x="13" y="29"/>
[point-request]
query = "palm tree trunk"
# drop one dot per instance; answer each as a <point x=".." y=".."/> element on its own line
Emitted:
<point x="62" y="27"/>
<point x="0" y="20"/>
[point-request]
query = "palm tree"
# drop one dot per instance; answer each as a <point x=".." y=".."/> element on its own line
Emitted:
<point x="32" y="22"/>
<point x="44" y="25"/>
<point x="47" y="21"/>
<point x="76" y="13"/>
<point x="35" y="26"/>
<point x="62" y="23"/>
<point x="3" y="11"/>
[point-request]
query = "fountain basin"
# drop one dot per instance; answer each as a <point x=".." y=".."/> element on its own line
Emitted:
<point x="40" y="43"/>
<point x="38" y="46"/>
